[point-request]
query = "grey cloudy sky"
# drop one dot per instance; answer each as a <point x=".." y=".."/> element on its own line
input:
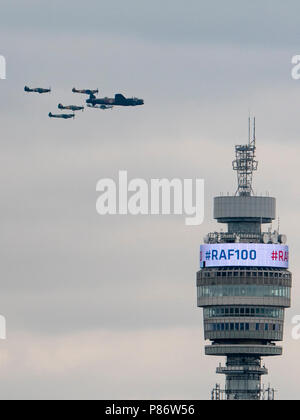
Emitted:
<point x="105" y="307"/>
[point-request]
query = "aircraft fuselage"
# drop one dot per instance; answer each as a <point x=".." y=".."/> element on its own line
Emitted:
<point x="37" y="90"/>
<point x="85" y="91"/>
<point x="118" y="100"/>
<point x="71" y="107"/>
<point x="62" y="116"/>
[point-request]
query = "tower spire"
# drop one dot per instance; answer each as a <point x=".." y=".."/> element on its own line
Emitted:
<point x="245" y="163"/>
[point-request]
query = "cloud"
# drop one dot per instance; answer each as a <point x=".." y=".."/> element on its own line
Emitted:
<point x="268" y="23"/>
<point x="152" y="364"/>
<point x="82" y="293"/>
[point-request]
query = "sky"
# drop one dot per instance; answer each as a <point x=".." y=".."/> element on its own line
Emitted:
<point x="105" y="307"/>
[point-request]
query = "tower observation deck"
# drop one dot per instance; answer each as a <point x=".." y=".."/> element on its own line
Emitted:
<point x="244" y="284"/>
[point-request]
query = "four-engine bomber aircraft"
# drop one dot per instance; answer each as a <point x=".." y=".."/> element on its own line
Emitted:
<point x="86" y="91"/>
<point x="37" y="90"/>
<point x="100" y="106"/>
<point x="71" y="107"/>
<point x="118" y="100"/>
<point x="64" y="116"/>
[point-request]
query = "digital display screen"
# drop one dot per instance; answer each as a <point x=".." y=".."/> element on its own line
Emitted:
<point x="240" y="254"/>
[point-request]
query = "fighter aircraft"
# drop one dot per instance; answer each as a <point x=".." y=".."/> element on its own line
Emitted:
<point x="86" y="91"/>
<point x="119" y="100"/>
<point x="37" y="90"/>
<point x="64" y="116"/>
<point x="100" y="106"/>
<point x="71" y="107"/>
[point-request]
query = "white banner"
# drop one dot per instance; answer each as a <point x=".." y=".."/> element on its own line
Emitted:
<point x="240" y="254"/>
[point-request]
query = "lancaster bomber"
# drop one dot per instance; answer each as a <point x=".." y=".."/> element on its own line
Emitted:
<point x="64" y="116"/>
<point x="90" y="92"/>
<point x="37" y="90"/>
<point x="118" y="100"/>
<point x="71" y="107"/>
<point x="100" y="106"/>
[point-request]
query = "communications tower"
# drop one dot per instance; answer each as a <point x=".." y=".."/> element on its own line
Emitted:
<point x="244" y="284"/>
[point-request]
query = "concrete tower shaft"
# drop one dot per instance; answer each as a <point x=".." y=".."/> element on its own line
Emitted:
<point x="244" y="287"/>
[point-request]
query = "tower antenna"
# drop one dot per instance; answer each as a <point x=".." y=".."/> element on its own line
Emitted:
<point x="249" y="130"/>
<point x="245" y="163"/>
<point x="254" y="135"/>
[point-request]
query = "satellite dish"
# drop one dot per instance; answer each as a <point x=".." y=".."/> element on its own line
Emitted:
<point x="282" y="239"/>
<point x="266" y="238"/>
<point x="274" y="238"/>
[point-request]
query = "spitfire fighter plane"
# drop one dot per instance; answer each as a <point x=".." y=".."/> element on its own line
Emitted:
<point x="37" y="90"/>
<point x="63" y="116"/>
<point x="90" y="92"/>
<point x="118" y="100"/>
<point x="71" y="107"/>
<point x="100" y="106"/>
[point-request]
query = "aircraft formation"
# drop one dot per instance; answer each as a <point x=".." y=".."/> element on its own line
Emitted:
<point x="91" y="102"/>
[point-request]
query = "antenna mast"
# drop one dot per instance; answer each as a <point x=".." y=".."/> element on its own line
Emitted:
<point x="245" y="163"/>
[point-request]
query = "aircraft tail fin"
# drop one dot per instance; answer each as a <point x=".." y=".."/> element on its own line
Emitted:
<point x="120" y="97"/>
